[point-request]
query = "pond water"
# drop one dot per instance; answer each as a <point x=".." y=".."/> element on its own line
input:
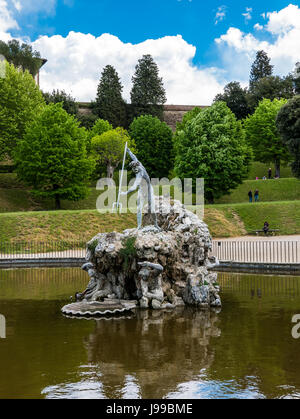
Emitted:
<point x="244" y="351"/>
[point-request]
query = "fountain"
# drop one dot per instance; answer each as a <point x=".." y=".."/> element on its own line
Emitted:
<point x="162" y="264"/>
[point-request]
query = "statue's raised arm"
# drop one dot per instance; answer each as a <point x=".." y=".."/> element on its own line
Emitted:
<point x="132" y="156"/>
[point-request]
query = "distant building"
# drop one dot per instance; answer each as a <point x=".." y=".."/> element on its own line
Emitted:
<point x="41" y="62"/>
<point x="175" y="113"/>
<point x="37" y="76"/>
<point x="172" y="113"/>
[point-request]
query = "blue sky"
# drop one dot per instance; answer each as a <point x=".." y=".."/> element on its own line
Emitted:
<point x="213" y="42"/>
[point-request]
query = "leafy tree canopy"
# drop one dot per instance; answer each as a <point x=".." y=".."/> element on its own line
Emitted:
<point x="212" y="146"/>
<point x="100" y="126"/>
<point x="87" y="120"/>
<point x="235" y="98"/>
<point x="21" y="56"/>
<point x="108" y="148"/>
<point x="60" y="96"/>
<point x="187" y="117"/>
<point x="272" y="87"/>
<point x="109" y="102"/>
<point x="52" y="158"/>
<point x="288" y="124"/>
<point x="263" y="136"/>
<point x="154" y="141"/>
<point x="20" y="102"/>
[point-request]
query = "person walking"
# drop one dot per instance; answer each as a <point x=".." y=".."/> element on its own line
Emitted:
<point x="270" y="173"/>
<point x="256" y="195"/>
<point x="250" y="194"/>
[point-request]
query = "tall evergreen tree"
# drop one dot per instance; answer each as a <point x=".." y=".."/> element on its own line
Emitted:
<point x="109" y="102"/>
<point x="148" y="94"/>
<point x="296" y="79"/>
<point x="235" y="98"/>
<point x="260" y="68"/>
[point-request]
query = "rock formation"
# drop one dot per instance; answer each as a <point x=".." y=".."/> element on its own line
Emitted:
<point x="156" y="269"/>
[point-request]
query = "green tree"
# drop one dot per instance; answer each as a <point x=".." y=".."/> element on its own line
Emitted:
<point x="52" y="158"/>
<point x="154" y="142"/>
<point x="20" y="102"/>
<point x="60" y="96"/>
<point x="109" y="102"/>
<point x="147" y="94"/>
<point x="296" y="79"/>
<point x="263" y="136"/>
<point x="108" y="148"/>
<point x="212" y="146"/>
<point x="87" y="120"/>
<point x="272" y="87"/>
<point x="180" y="126"/>
<point x="21" y="56"/>
<point x="235" y="98"/>
<point x="99" y="127"/>
<point x="187" y="117"/>
<point x="288" y="125"/>
<point x="260" y="68"/>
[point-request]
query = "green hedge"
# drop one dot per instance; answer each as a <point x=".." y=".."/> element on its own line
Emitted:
<point x="6" y="168"/>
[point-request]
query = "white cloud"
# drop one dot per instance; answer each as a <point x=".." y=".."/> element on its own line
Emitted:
<point x="34" y="6"/>
<point x="7" y="20"/>
<point x="284" y="21"/>
<point x="220" y="15"/>
<point x="258" y="27"/>
<point x="247" y="15"/>
<point x="17" y="5"/>
<point x="75" y="63"/>
<point x="238" y="49"/>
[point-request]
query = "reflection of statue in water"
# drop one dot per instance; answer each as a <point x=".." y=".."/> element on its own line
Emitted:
<point x="145" y="190"/>
<point x="160" y="349"/>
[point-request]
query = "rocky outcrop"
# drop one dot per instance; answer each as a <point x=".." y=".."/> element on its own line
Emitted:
<point x="159" y="269"/>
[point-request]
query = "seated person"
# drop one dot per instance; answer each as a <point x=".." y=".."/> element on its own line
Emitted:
<point x="266" y="227"/>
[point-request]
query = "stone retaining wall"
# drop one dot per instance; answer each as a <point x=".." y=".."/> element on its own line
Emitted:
<point x="172" y="113"/>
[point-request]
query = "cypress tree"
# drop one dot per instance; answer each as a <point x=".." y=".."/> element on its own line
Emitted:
<point x="110" y="105"/>
<point x="296" y="79"/>
<point x="260" y="68"/>
<point x="148" y="94"/>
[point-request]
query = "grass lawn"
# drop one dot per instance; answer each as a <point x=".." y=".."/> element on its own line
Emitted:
<point x="14" y="197"/>
<point x="269" y="190"/>
<point x="282" y="215"/>
<point x="223" y="221"/>
<point x="261" y="169"/>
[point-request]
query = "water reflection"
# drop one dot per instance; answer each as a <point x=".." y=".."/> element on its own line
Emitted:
<point x="144" y="356"/>
<point x="244" y="351"/>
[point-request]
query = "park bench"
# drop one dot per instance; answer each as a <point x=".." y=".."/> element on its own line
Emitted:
<point x="270" y="232"/>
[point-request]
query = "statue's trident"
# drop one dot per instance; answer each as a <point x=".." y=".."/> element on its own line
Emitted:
<point x="117" y="205"/>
